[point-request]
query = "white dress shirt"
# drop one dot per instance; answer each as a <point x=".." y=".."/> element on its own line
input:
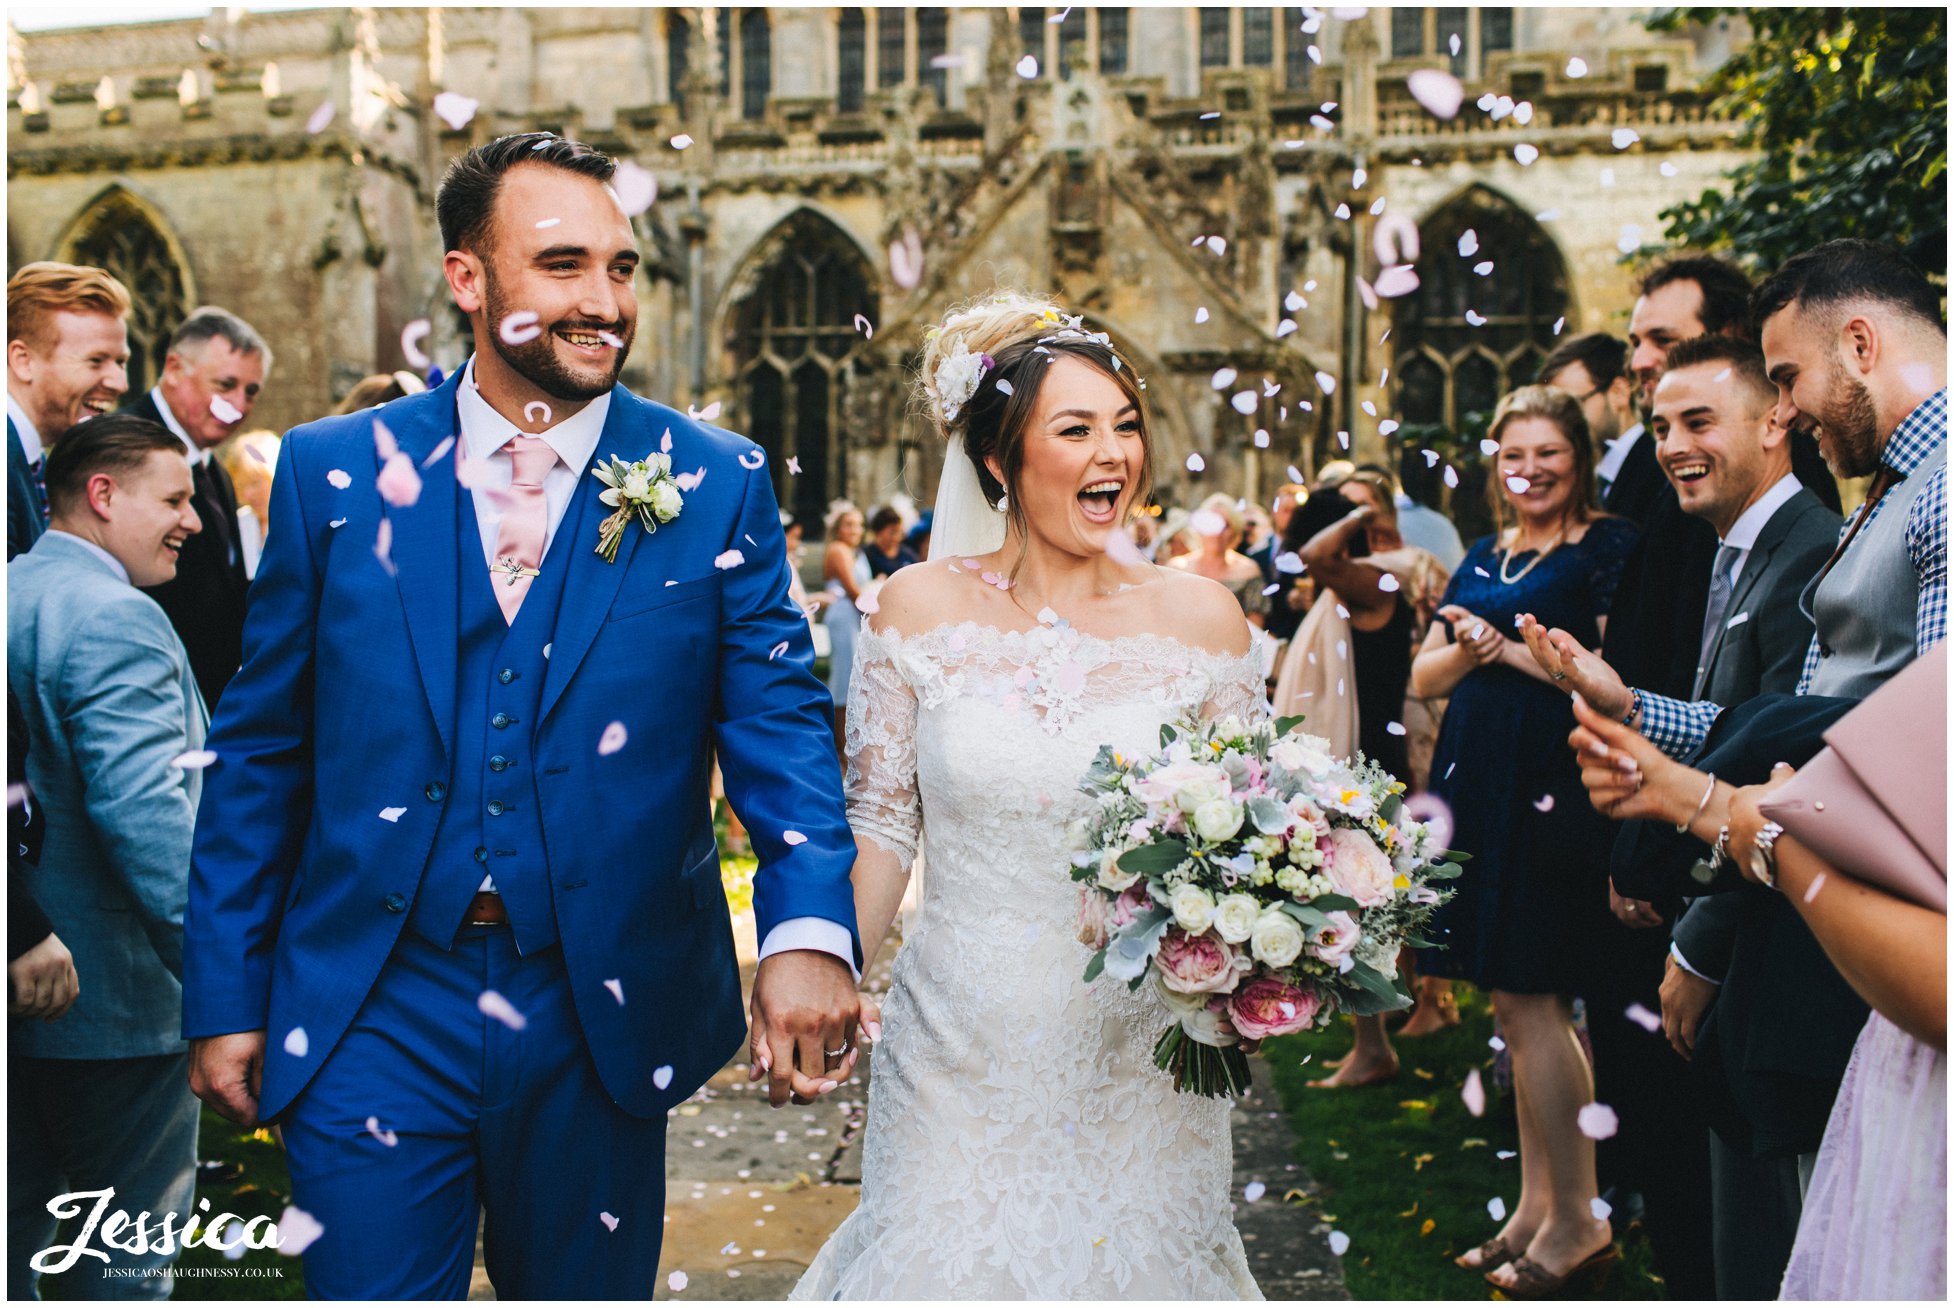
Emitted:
<point x="1742" y="537"/>
<point x="30" y="435"/>
<point x="483" y="434"/>
<point x="1616" y="454"/>
<point x="115" y="564"/>
<point x="198" y="454"/>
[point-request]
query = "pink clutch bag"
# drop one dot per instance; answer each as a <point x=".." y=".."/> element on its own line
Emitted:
<point x="1873" y="803"/>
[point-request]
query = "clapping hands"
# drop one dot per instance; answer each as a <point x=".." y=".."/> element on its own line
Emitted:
<point x="1575" y="668"/>
<point x="1484" y="640"/>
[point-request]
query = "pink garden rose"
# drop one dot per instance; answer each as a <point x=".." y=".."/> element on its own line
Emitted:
<point x="1269" y="1006"/>
<point x="1203" y="964"/>
<point x="1333" y="943"/>
<point x="1131" y="903"/>
<point x="1357" y="867"/>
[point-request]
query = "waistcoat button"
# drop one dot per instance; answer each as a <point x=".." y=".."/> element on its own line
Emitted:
<point x="498" y="763"/>
<point x="481" y="854"/>
<point x="506" y="676"/>
<point x="396" y="903"/>
<point x="495" y="808"/>
<point x="499" y="721"/>
<point x="436" y="791"/>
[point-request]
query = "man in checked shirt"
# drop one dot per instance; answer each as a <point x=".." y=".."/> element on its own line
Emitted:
<point x="1853" y="337"/>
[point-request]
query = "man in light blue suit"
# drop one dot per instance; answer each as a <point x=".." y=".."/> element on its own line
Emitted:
<point x="99" y="1099"/>
<point x="455" y="912"/>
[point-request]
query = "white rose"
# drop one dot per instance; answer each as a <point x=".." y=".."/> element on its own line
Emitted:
<point x="636" y="485"/>
<point x="1299" y="753"/>
<point x="666" y="501"/>
<point x="1218" y="819"/>
<point x="1193" y="909"/>
<point x="1277" y="939"/>
<point x="1111" y="875"/>
<point x="1187" y="785"/>
<point x="1235" y="917"/>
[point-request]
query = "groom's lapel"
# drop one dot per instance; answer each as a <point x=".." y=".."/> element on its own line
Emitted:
<point x="591" y="583"/>
<point x="427" y="546"/>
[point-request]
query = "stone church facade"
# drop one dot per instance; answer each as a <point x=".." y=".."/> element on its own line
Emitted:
<point x="1218" y="188"/>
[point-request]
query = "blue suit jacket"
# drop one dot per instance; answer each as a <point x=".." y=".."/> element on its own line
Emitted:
<point x="24" y="521"/>
<point x="110" y="705"/>
<point x="346" y="706"/>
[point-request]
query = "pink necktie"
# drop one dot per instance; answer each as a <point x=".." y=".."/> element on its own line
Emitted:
<point x="525" y="524"/>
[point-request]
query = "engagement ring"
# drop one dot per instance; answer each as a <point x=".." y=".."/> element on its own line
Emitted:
<point x="837" y="1053"/>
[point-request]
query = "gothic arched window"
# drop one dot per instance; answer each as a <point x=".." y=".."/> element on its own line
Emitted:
<point x="1449" y="364"/>
<point x="794" y="345"/>
<point x="678" y="57"/>
<point x="756" y="63"/>
<point x="120" y="234"/>
<point x="851" y="60"/>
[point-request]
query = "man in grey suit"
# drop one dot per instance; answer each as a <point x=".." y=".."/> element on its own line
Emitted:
<point x="101" y="1099"/>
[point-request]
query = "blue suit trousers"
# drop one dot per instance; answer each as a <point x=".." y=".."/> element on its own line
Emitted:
<point x="439" y="1110"/>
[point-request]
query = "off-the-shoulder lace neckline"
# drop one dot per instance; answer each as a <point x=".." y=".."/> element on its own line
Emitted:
<point x="1143" y="640"/>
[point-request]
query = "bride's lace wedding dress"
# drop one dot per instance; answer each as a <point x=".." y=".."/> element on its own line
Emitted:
<point x="1020" y="1142"/>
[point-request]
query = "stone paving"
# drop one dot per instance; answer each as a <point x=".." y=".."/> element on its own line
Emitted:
<point x="752" y="1192"/>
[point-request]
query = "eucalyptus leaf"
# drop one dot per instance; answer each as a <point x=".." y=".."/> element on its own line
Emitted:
<point x="1269" y="814"/>
<point x="1160" y="856"/>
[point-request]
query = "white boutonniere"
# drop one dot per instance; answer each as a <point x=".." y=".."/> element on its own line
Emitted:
<point x="644" y="490"/>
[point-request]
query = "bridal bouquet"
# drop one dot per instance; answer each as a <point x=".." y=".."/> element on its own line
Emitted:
<point x="1266" y="883"/>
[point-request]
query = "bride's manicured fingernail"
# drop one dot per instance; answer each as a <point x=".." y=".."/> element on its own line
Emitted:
<point x="826" y="1086"/>
<point x="874" y="1030"/>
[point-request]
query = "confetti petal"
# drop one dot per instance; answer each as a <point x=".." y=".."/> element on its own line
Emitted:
<point x="1438" y="91"/>
<point x="321" y="119"/>
<point x="1339" y="1243"/>
<point x="1223" y="378"/>
<point x="707" y="414"/>
<point x="297" y="1229"/>
<point x="1577" y="67"/>
<point x="1526" y="154"/>
<point x="194" y="761"/>
<point x="519" y="328"/>
<point x="636" y="188"/>
<point x="1244" y="402"/>
<point x="730" y="559"/>
<point x="1623" y="137"/>
<point x="411" y="337"/>
<point x="1600" y="1208"/>
<point x="1496" y="1208"/>
<point x="865" y="327"/>
<point x="1028" y="67"/>
<point x="792" y="837"/>
<point x="616" y="987"/>
<point x="1643" y="1018"/>
<point x="681" y="141"/>
<point x="753" y="460"/>
<point x="1195" y="463"/>
<point x="906" y="260"/>
<point x="1597" y="1121"/>
<point x="399" y="482"/>
<point x="455" y="109"/>
<point x="494" y="1005"/>
<point x="662" y="1077"/>
<point x="387" y="1138"/>
<point x="391" y="814"/>
<point x="224" y="411"/>
<point x="678" y="1281"/>
<point x="610" y="1223"/>
<point x="1474" y="1094"/>
<point x="297" y="1042"/>
<point x="1254" y="1190"/>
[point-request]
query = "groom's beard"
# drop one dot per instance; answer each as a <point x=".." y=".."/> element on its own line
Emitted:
<point x="537" y="362"/>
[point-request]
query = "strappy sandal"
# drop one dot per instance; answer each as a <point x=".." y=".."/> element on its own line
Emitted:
<point x="1532" y="1281"/>
<point x="1494" y="1253"/>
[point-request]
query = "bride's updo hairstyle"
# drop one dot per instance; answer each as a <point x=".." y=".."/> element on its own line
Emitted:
<point x="982" y="370"/>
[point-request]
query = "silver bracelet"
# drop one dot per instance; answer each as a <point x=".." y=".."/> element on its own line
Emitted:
<point x="1701" y="804"/>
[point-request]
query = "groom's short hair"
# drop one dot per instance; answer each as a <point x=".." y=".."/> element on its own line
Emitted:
<point x="466" y="201"/>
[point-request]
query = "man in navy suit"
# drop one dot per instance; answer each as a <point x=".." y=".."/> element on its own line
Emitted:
<point x="455" y="912"/>
<point x="67" y="361"/>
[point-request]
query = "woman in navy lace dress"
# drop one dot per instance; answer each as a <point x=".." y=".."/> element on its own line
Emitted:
<point x="1534" y="898"/>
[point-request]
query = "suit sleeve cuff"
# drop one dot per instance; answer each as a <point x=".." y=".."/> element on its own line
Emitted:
<point x="1677" y="954"/>
<point x="816" y="933"/>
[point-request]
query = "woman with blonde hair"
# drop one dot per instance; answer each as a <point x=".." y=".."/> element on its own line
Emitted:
<point x="845" y="569"/>
<point x="1218" y="528"/>
<point x="1020" y="1142"/>
<point x="1531" y="909"/>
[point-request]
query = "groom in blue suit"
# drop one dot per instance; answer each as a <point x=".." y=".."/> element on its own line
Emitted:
<point x="455" y="914"/>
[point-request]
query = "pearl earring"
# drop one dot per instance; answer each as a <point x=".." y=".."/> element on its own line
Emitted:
<point x="1003" y="503"/>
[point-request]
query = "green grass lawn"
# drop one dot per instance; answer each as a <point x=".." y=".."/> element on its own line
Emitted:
<point x="1407" y="1172"/>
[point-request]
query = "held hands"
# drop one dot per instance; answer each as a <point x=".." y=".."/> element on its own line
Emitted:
<point x="227" y="1072"/>
<point x="1478" y="637"/>
<point x="1628" y="777"/>
<point x="1576" y="669"/>
<point x="44" y="983"/>
<point x="1636" y="913"/>
<point x="805" y="1012"/>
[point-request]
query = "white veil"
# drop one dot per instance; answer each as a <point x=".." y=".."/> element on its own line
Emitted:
<point x="964" y="524"/>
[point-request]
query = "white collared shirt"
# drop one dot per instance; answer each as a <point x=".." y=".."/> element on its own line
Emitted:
<point x="115" y="564"/>
<point x="198" y="454"/>
<point x="1744" y="532"/>
<point x="483" y="434"/>
<point x="30" y="435"/>
<point x="1616" y="454"/>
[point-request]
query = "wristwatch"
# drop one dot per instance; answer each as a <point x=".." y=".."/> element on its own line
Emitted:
<point x="1763" y="855"/>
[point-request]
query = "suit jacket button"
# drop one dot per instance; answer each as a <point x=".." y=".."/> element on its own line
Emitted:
<point x="506" y="676"/>
<point x="498" y="763"/>
<point x="499" y="720"/>
<point x="481" y="853"/>
<point x="495" y="808"/>
<point x="396" y="903"/>
<point x="436" y="791"/>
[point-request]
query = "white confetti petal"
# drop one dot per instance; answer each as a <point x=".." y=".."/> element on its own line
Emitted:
<point x="1644" y="1018"/>
<point x="1438" y="91"/>
<point x="1254" y="1190"/>
<point x="1244" y="402"/>
<point x="1223" y="378"/>
<point x="1474" y="1094"/>
<point x="194" y="761"/>
<point x="1526" y="154"/>
<point x="388" y="1138"/>
<point x="730" y="559"/>
<point x="865" y="327"/>
<point x="1600" y="1208"/>
<point x="1028" y="67"/>
<point x="1339" y="1243"/>
<point x="1597" y="1121"/>
<point x="297" y="1042"/>
<point x="455" y="109"/>
<point x="297" y="1229"/>
<point x="616" y="987"/>
<point x="1811" y="891"/>
<point x="681" y="141"/>
<point x="1195" y="463"/>
<point x="494" y="1005"/>
<point x="1577" y="67"/>
<point x="792" y="837"/>
<point x="662" y="1076"/>
<point x="1201" y="314"/>
<point x="678" y="1281"/>
<point x="391" y="814"/>
<point x="612" y="740"/>
<point x="1630" y="240"/>
<point x="906" y="260"/>
<point x="1496" y="1208"/>
<point x="224" y="411"/>
<point x="1623" y="137"/>
<point x="1326" y="383"/>
<point x="636" y="188"/>
<point x="519" y="328"/>
<point x="411" y="337"/>
<point x="321" y="119"/>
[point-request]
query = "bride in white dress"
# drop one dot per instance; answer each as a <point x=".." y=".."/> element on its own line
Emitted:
<point x="1020" y="1142"/>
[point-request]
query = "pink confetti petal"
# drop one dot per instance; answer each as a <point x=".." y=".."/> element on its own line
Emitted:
<point x="752" y="460"/>
<point x="612" y="740"/>
<point x="616" y="987"/>
<point x="321" y="119"/>
<point x="678" y="1281"/>
<point x="224" y="411"/>
<point x="636" y="188"/>
<point x="1439" y="92"/>
<point x="399" y="483"/>
<point x="794" y="466"/>
<point x="537" y="413"/>
<point x="471" y="473"/>
<point x="1545" y="803"/>
<point x="1474" y="1094"/>
<point x="297" y="1229"/>
<point x="519" y="328"/>
<point x="689" y="481"/>
<point x="1643" y="1018"/>
<point x="867" y="604"/>
<point x="793" y="837"/>
<point x="610" y="1223"/>
<point x="387" y="1138"/>
<point x="865" y="327"/>
<point x="383" y="549"/>
<point x="1811" y="891"/>
<point x="906" y="260"/>
<point x="777" y="651"/>
<point x="194" y="761"/>
<point x="494" y="1005"/>
<point x="1395" y="281"/>
<point x="1597" y="1121"/>
<point x="730" y="559"/>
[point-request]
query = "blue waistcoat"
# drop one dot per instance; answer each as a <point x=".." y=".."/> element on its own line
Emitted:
<point x="491" y="823"/>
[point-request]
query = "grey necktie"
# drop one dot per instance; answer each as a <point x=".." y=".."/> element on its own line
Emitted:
<point x="1714" y="613"/>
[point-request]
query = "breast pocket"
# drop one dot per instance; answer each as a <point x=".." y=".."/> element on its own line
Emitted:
<point x="635" y="602"/>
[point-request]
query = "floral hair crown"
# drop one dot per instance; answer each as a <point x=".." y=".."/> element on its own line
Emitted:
<point x="962" y="370"/>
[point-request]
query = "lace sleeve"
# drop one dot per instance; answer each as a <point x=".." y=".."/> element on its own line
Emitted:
<point x="1236" y="687"/>
<point x="883" y="804"/>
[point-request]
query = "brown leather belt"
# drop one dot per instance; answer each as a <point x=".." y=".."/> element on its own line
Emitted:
<point x="486" y="909"/>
